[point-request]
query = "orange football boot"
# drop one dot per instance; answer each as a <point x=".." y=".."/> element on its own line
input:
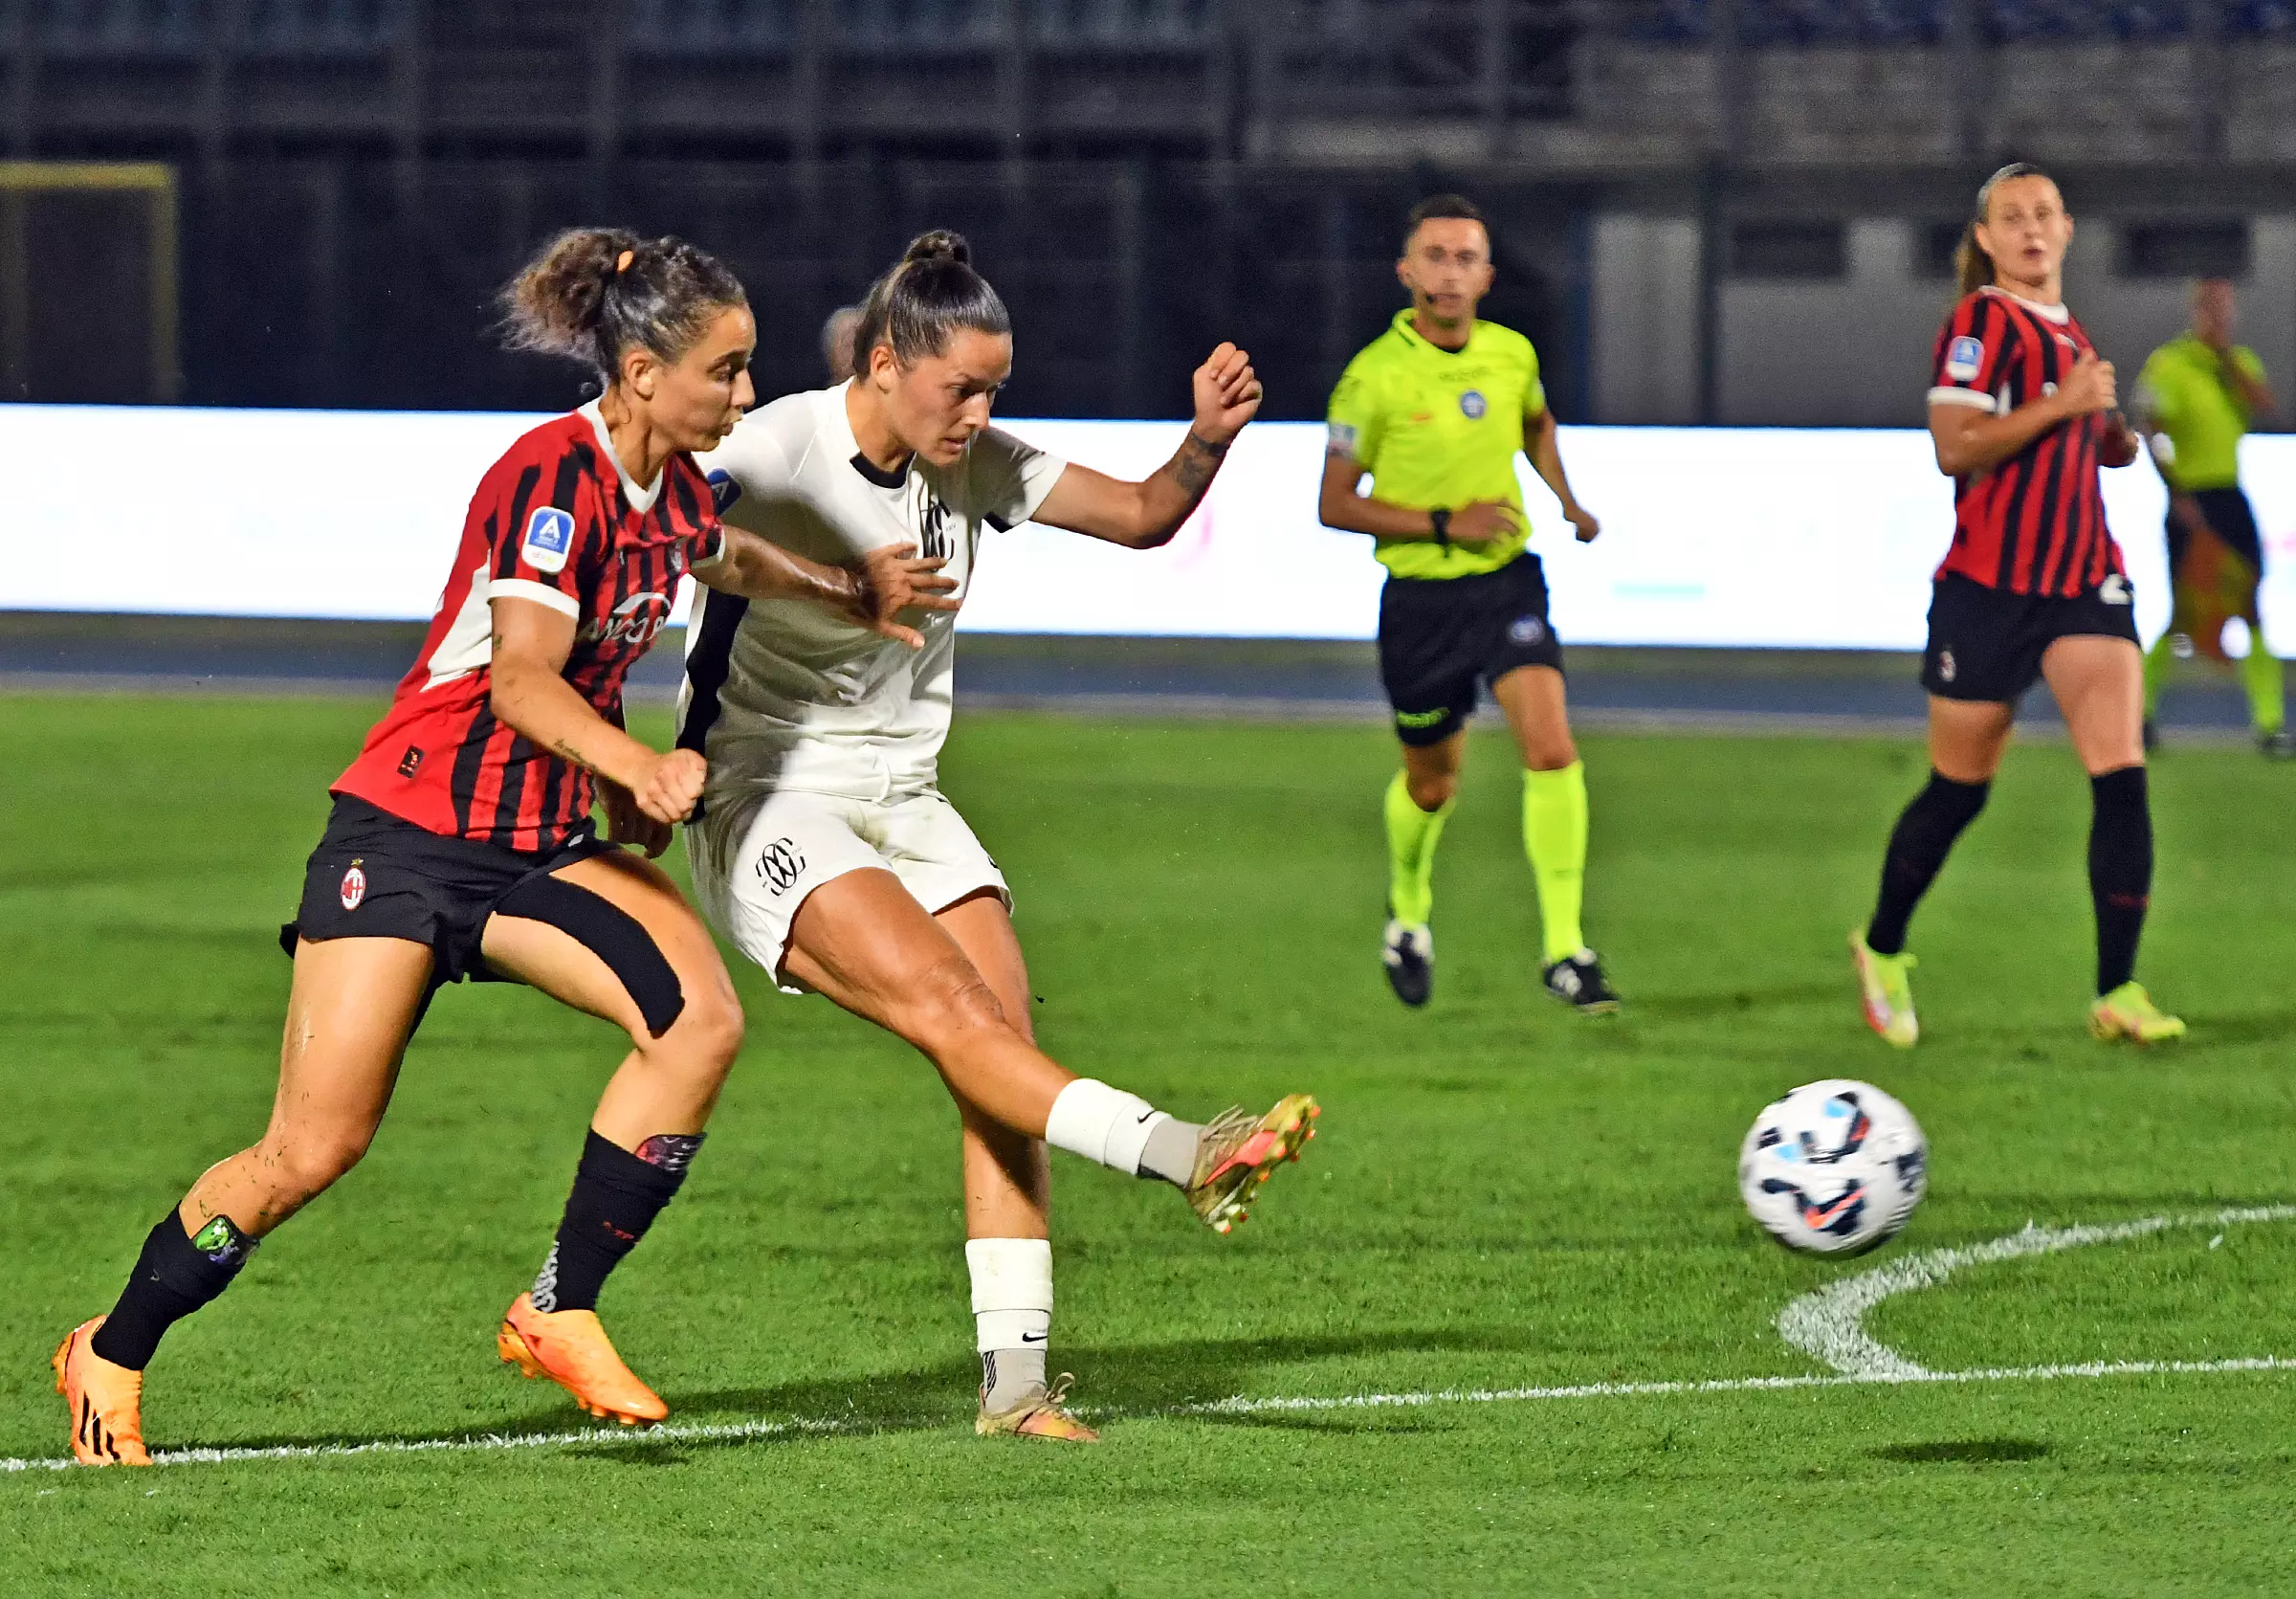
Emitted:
<point x="570" y="1348"/>
<point x="107" y="1401"/>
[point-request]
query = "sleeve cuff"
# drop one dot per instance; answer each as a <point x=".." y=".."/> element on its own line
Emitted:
<point x="541" y="593"/>
<point x="1045" y="474"/>
<point x="1969" y="397"/>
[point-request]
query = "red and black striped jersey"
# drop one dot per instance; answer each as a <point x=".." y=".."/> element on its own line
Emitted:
<point x="555" y="522"/>
<point x="2033" y="525"/>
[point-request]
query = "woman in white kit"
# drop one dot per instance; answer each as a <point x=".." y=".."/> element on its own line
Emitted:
<point x="823" y="848"/>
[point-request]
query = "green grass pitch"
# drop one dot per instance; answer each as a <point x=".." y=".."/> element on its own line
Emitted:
<point x="1503" y="1197"/>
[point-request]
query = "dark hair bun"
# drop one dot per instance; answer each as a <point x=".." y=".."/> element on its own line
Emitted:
<point x="941" y="244"/>
<point x="932" y="291"/>
<point x="554" y="303"/>
<point x="595" y="292"/>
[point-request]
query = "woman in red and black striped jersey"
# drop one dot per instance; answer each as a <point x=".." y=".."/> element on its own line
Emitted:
<point x="461" y="842"/>
<point x="2024" y="413"/>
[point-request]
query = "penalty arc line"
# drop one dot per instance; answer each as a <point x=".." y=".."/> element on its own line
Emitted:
<point x="1829" y="1323"/>
<point x="747" y="1431"/>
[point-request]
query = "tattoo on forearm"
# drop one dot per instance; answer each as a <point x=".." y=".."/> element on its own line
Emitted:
<point x="1196" y="464"/>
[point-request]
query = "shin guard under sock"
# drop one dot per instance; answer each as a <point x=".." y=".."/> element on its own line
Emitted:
<point x="2120" y="870"/>
<point x="174" y="1276"/>
<point x="1918" y="845"/>
<point x="616" y="1198"/>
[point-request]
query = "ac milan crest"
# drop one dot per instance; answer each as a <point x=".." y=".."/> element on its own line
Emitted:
<point x="354" y="887"/>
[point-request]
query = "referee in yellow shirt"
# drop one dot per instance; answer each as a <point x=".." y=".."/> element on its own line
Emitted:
<point x="2197" y="395"/>
<point x="1433" y="412"/>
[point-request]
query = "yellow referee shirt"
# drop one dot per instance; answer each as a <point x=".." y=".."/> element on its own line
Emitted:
<point x="1439" y="428"/>
<point x="2184" y="390"/>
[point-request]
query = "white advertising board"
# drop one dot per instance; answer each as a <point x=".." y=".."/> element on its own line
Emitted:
<point x="1754" y="537"/>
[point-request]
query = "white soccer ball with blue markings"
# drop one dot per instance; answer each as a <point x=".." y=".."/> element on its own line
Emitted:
<point x="1835" y="1167"/>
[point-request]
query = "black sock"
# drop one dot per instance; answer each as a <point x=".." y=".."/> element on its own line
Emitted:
<point x="174" y="1276"/>
<point x="2120" y="870"/>
<point x="616" y="1196"/>
<point x="1918" y="845"/>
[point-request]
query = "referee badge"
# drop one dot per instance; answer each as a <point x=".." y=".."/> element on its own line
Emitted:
<point x="354" y="887"/>
<point x="1945" y="667"/>
<point x="1473" y="405"/>
<point x="1527" y="629"/>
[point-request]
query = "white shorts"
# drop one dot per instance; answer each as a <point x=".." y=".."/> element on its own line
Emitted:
<point x="756" y="859"/>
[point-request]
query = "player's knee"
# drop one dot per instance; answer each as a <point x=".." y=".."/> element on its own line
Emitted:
<point x="1551" y="752"/>
<point x="302" y="1169"/>
<point x="949" y="1002"/>
<point x="707" y="1034"/>
<point x="1430" y="790"/>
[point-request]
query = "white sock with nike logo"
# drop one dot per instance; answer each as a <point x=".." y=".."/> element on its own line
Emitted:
<point x="1012" y="1314"/>
<point x="1102" y="1124"/>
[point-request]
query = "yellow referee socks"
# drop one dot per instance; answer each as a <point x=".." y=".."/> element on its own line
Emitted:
<point x="2267" y="696"/>
<point x="1554" y="838"/>
<point x="1411" y="837"/>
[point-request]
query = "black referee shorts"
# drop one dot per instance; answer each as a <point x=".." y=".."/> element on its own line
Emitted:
<point x="1439" y="636"/>
<point x="377" y="876"/>
<point x="1986" y="643"/>
<point x="2230" y="517"/>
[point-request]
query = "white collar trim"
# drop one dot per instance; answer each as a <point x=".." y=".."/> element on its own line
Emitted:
<point x="2057" y="313"/>
<point x="641" y="497"/>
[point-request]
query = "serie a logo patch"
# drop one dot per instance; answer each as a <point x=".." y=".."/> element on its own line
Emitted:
<point x="1964" y="359"/>
<point x="548" y="538"/>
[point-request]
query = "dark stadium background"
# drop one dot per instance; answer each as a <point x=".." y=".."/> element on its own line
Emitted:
<point x="1141" y="177"/>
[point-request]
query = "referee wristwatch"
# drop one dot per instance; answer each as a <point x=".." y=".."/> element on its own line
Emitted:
<point x="1440" y="522"/>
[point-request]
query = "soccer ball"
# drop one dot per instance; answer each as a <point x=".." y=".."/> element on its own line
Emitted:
<point x="1835" y="1167"/>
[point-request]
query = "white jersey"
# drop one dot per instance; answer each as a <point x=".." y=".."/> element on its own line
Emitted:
<point x="785" y="694"/>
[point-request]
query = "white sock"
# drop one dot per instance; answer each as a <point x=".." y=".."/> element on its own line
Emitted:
<point x="1012" y="1313"/>
<point x="1102" y="1124"/>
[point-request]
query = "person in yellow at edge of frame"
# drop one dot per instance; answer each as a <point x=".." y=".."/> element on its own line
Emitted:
<point x="1433" y="411"/>
<point x="2197" y="394"/>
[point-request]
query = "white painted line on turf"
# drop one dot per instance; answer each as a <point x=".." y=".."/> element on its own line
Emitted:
<point x="673" y="1432"/>
<point x="1241" y="1406"/>
<point x="1829" y="1323"/>
<point x="1829" y="1318"/>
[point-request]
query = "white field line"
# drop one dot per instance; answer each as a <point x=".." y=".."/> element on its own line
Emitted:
<point x="1829" y="1322"/>
<point x="746" y="1430"/>
<point x="1849" y="1298"/>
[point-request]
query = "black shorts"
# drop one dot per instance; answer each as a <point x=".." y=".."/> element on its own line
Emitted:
<point x="2230" y="517"/>
<point x="1438" y="635"/>
<point x="1987" y="643"/>
<point x="377" y="876"/>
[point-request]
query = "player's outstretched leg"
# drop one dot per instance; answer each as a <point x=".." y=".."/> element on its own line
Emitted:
<point x="353" y="1004"/>
<point x="862" y="939"/>
<point x="656" y="973"/>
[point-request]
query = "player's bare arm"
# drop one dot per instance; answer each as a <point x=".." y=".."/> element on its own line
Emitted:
<point x="1968" y="441"/>
<point x="1143" y="514"/>
<point x="1540" y="444"/>
<point x="1343" y="506"/>
<point x="889" y="581"/>
<point x="530" y="693"/>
